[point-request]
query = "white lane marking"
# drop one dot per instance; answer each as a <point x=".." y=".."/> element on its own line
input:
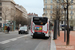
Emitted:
<point x="4" y="42"/>
<point x="13" y="39"/>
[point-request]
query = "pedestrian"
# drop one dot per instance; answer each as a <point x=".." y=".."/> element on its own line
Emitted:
<point x="8" y="29"/>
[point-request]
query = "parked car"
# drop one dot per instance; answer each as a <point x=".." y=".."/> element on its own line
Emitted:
<point x="23" y="30"/>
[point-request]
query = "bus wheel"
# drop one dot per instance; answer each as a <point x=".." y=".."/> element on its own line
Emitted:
<point x="33" y="36"/>
<point x="47" y="37"/>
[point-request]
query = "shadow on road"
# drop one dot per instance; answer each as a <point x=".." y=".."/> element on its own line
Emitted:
<point x="44" y="38"/>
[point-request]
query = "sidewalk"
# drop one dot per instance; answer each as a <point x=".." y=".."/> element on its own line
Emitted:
<point x="61" y="45"/>
<point x="9" y="32"/>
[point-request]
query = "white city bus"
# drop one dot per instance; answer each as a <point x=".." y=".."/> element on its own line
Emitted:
<point x="40" y="27"/>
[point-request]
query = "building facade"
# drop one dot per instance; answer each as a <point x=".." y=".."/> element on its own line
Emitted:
<point x="6" y="7"/>
<point x="51" y="6"/>
<point x="9" y="10"/>
<point x="21" y="8"/>
<point x="30" y="15"/>
<point x="0" y="13"/>
<point x="48" y="8"/>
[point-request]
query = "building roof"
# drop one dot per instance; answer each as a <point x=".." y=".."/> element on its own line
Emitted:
<point x="9" y="0"/>
<point x="32" y="14"/>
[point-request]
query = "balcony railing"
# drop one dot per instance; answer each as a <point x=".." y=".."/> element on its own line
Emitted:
<point x="44" y="13"/>
<point x="47" y="9"/>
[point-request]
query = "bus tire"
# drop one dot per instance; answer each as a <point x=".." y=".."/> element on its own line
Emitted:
<point x="33" y="36"/>
<point x="47" y="37"/>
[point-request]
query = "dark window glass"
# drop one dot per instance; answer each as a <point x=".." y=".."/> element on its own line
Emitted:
<point x="61" y="22"/>
<point x="71" y="1"/>
<point x="0" y="19"/>
<point x="0" y="9"/>
<point x="0" y="24"/>
<point x="40" y="20"/>
<point x="0" y="3"/>
<point x="0" y="14"/>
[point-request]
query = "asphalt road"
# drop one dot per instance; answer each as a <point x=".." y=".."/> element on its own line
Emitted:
<point x="15" y="41"/>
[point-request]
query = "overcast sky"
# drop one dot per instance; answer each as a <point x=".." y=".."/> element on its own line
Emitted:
<point x="32" y="6"/>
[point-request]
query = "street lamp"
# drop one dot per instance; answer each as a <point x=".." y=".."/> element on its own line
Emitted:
<point x="65" y="24"/>
<point x="68" y="31"/>
<point x="66" y="3"/>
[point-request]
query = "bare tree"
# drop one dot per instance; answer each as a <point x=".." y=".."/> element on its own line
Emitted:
<point x="21" y="20"/>
<point x="5" y="13"/>
<point x="29" y="21"/>
<point x="13" y="13"/>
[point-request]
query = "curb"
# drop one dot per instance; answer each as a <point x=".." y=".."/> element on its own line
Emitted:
<point x="53" y="46"/>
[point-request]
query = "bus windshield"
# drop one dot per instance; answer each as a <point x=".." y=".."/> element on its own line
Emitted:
<point x="40" y="20"/>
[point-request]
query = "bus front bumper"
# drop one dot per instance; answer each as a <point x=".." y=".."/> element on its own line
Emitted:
<point x="38" y="34"/>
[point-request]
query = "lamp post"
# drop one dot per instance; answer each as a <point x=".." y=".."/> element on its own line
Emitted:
<point x="65" y="25"/>
<point x="67" y="42"/>
<point x="66" y="8"/>
<point x="68" y="31"/>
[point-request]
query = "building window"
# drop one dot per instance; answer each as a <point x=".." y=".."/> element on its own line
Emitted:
<point x="51" y="7"/>
<point x="46" y="7"/>
<point x="51" y="12"/>
<point x="71" y="12"/>
<point x="57" y="1"/>
<point x="51" y="17"/>
<point x="0" y="14"/>
<point x="51" y="1"/>
<point x="0" y="24"/>
<point x="46" y="12"/>
<point x="0" y="19"/>
<point x="62" y="7"/>
<point x="62" y="1"/>
<point x="71" y="1"/>
<point x="61" y="22"/>
<point x="45" y="1"/>
<point x="71" y="7"/>
<point x="0" y="3"/>
<point x="57" y="6"/>
<point x="66" y="12"/>
<point x="66" y="0"/>
<point x="71" y="17"/>
<point x="0" y="9"/>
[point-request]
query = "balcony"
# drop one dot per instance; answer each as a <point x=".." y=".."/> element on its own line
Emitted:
<point x="47" y="9"/>
<point x="44" y="13"/>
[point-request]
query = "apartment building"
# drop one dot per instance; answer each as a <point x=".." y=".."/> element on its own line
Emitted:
<point x="48" y="8"/>
<point x="21" y="8"/>
<point x="71" y="14"/>
<point x="6" y="7"/>
<point x="0" y="13"/>
<point x="50" y="11"/>
<point x="9" y="9"/>
<point x="31" y="15"/>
